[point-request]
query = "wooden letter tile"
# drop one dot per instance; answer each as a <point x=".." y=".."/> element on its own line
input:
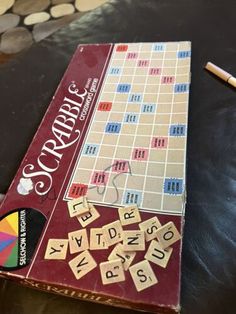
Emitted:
<point x="143" y="275"/>
<point x="56" y="249"/>
<point x="168" y="234"/>
<point x="89" y="217"/>
<point x="82" y="264"/>
<point x="129" y="215"/>
<point x="78" y="206"/>
<point x="78" y="241"/>
<point x="125" y="257"/>
<point x="97" y="240"/>
<point x="157" y="254"/>
<point x="150" y="227"/>
<point x="113" y="232"/>
<point x="112" y="271"/>
<point x="133" y="240"/>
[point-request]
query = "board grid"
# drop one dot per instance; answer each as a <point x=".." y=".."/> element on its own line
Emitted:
<point x="135" y="148"/>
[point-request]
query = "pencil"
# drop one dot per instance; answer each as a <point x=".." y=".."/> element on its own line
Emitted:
<point x="225" y="76"/>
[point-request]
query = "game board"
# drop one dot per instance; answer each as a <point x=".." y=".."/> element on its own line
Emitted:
<point x="96" y="209"/>
<point x="134" y="149"/>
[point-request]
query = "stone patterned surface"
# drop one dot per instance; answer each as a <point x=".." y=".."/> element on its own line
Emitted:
<point x="40" y="18"/>
<point x="61" y="1"/>
<point x="44" y="30"/>
<point x="62" y="10"/>
<point x="5" y="5"/>
<point x="25" y="7"/>
<point x="15" y="40"/>
<point x="36" y="18"/>
<point x="86" y="5"/>
<point x="8" y="21"/>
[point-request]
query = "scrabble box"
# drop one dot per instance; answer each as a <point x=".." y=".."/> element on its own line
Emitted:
<point x="96" y="209"/>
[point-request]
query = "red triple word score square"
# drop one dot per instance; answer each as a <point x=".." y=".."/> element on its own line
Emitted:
<point x="104" y="106"/>
<point x="77" y="190"/>
<point x="121" y="48"/>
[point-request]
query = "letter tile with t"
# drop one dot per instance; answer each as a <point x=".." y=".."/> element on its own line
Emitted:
<point x="97" y="240"/>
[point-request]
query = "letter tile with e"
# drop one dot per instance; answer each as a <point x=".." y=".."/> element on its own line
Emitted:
<point x="89" y="217"/>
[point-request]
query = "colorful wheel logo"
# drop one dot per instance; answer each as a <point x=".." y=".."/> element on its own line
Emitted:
<point x="20" y="231"/>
